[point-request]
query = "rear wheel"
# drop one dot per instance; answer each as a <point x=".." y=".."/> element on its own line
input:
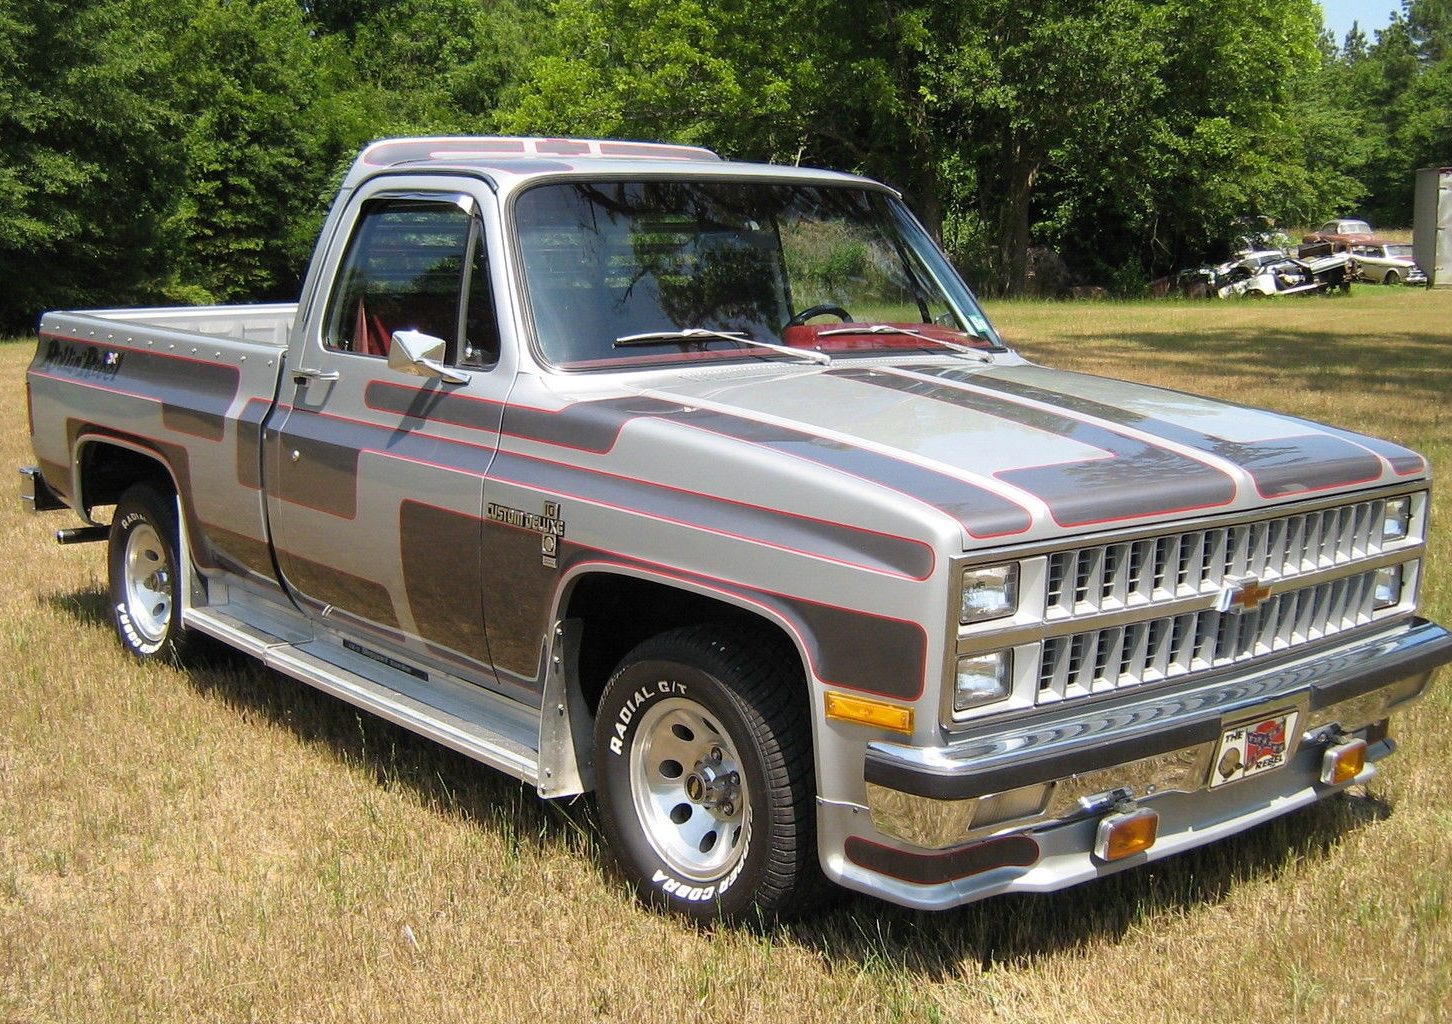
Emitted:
<point x="142" y="559"/>
<point x="703" y="754"/>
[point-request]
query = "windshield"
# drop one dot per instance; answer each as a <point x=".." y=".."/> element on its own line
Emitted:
<point x="662" y="270"/>
<point x="1399" y="251"/>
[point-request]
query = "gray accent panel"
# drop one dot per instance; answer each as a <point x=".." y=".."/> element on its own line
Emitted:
<point x="1320" y="458"/>
<point x="595" y="427"/>
<point x="332" y="586"/>
<point x="326" y="475"/>
<point x="861" y="651"/>
<point x="852" y="649"/>
<point x="517" y="599"/>
<point x="863" y="548"/>
<point x="433" y="406"/>
<point x="981" y="512"/>
<point x="249" y="443"/>
<point x="584" y="426"/>
<point x="1404" y="461"/>
<point x="194" y="394"/>
<point x="1139" y="480"/>
<point x="246" y="553"/>
<point x="443" y="576"/>
<point x="332" y="489"/>
<point x="940" y="868"/>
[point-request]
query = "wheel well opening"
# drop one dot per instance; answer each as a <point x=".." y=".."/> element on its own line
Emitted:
<point x="108" y="470"/>
<point x="619" y="612"/>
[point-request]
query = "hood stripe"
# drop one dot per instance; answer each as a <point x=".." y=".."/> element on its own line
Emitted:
<point x="1301" y="462"/>
<point x="1137" y="479"/>
<point x="982" y="512"/>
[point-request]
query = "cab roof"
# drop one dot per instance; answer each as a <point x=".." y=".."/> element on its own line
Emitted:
<point x="513" y="160"/>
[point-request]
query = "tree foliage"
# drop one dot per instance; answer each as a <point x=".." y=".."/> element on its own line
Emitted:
<point x="184" y="150"/>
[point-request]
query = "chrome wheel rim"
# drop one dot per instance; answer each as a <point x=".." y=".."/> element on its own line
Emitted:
<point x="148" y="583"/>
<point x="690" y="795"/>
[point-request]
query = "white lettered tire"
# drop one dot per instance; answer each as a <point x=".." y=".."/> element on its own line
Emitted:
<point x="142" y="565"/>
<point x="704" y="774"/>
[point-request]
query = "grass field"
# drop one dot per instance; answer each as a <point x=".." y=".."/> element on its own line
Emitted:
<point x="224" y="844"/>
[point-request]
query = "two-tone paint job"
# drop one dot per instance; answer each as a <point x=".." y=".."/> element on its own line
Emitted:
<point x="454" y="555"/>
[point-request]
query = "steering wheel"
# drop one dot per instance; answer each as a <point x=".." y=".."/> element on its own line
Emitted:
<point x="826" y="308"/>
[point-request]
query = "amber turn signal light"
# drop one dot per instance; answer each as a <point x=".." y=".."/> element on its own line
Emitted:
<point x="1127" y="833"/>
<point x="1343" y="762"/>
<point x="869" y="712"/>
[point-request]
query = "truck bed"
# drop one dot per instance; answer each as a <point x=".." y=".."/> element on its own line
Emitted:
<point x="264" y="323"/>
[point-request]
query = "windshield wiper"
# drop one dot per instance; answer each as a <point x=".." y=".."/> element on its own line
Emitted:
<point x="706" y="334"/>
<point x="966" y="350"/>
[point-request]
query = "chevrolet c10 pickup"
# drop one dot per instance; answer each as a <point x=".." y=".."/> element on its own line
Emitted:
<point x="709" y="488"/>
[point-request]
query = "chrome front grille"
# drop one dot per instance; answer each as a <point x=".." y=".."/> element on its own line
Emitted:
<point x="1148" y="651"/>
<point x="1130" y="574"/>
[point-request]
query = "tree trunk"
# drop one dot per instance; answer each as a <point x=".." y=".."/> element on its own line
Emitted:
<point x="1013" y="221"/>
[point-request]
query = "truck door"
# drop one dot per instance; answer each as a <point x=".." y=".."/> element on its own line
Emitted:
<point x="376" y="474"/>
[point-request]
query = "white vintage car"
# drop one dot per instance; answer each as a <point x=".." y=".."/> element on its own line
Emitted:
<point x="1387" y="263"/>
<point x="1272" y="272"/>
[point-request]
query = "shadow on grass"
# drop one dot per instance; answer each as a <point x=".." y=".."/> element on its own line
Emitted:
<point x="1011" y="931"/>
<point x="999" y="933"/>
<point x="443" y="779"/>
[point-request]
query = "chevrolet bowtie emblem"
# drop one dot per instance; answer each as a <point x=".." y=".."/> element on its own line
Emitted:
<point x="1243" y="595"/>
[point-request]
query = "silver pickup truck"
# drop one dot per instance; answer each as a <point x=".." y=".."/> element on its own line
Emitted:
<point x="708" y="487"/>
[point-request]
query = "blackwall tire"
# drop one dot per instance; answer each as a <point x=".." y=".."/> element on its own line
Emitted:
<point x="142" y="564"/>
<point x="1392" y="277"/>
<point x="704" y="775"/>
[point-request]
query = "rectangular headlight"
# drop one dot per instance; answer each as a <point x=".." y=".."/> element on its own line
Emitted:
<point x="1388" y="586"/>
<point x="1397" y="521"/>
<point x="989" y="592"/>
<point x="982" y="679"/>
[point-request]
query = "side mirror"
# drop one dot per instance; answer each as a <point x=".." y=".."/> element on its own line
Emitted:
<point x="422" y="355"/>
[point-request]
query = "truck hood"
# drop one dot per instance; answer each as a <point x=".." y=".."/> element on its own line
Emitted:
<point x="1024" y="451"/>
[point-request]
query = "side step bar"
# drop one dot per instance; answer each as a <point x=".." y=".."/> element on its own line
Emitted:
<point x="439" y="709"/>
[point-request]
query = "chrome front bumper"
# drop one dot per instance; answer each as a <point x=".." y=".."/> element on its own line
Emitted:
<point x="1078" y="761"/>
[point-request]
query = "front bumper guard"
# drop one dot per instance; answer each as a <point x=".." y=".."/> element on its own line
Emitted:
<point x="1069" y="763"/>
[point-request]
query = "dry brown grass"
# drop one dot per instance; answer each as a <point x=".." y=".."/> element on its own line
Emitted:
<point x="224" y="844"/>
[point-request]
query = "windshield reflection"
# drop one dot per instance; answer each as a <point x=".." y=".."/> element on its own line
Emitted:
<point x="782" y="264"/>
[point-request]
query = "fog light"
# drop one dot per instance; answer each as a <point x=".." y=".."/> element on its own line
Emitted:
<point x="982" y="679"/>
<point x="1127" y="833"/>
<point x="1343" y="762"/>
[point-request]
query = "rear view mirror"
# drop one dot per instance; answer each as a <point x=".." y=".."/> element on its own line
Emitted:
<point x="422" y="355"/>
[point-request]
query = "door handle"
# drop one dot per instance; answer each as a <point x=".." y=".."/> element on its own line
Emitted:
<point x="303" y="375"/>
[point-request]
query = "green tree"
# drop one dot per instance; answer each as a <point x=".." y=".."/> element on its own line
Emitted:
<point x="86" y="172"/>
<point x="441" y="66"/>
<point x="269" y="118"/>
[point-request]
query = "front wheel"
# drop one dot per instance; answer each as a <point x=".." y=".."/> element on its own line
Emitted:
<point x="704" y="772"/>
<point x="1392" y="277"/>
<point x="142" y="559"/>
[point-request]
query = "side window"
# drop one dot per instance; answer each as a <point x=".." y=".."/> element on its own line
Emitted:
<point x="408" y="266"/>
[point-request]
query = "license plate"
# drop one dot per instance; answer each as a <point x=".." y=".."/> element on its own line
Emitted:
<point x="1254" y="747"/>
